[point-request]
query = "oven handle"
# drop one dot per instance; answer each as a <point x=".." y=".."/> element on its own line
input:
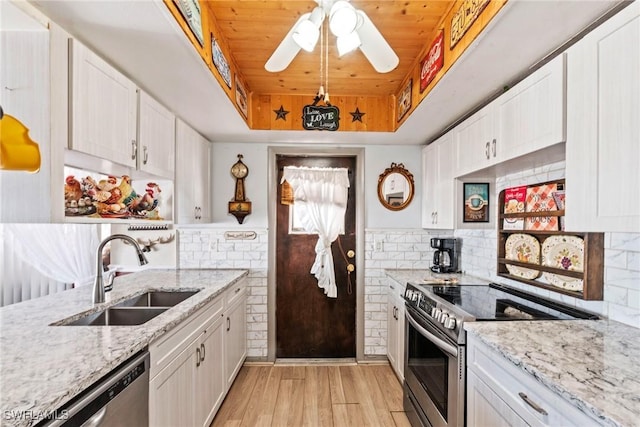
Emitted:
<point x="443" y="345"/>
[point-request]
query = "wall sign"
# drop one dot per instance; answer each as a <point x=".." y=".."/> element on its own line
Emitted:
<point x="476" y="202"/>
<point x="464" y="17"/>
<point x="432" y="62"/>
<point x="404" y="100"/>
<point x="220" y="61"/>
<point x="320" y="118"/>
<point x="190" y="10"/>
<point x="241" y="97"/>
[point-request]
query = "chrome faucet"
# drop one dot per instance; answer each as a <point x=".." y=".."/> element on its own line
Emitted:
<point x="98" y="284"/>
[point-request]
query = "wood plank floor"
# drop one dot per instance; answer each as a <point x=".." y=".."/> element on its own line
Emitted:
<point x="314" y="395"/>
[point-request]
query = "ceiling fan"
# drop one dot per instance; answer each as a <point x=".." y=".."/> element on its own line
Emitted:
<point x="351" y="26"/>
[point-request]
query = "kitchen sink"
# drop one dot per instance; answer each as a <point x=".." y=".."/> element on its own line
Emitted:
<point x="157" y="299"/>
<point x="118" y="316"/>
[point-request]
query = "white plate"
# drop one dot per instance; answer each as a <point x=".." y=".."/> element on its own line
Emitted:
<point x="523" y="248"/>
<point x="567" y="253"/>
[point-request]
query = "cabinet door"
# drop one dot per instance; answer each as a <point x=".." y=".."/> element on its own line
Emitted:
<point x="392" y="328"/>
<point x="236" y="339"/>
<point x="531" y="115"/>
<point x="156" y="137"/>
<point x="192" y="175"/>
<point x="438" y="208"/>
<point x="400" y="334"/>
<point x="172" y="391"/>
<point x="104" y="108"/>
<point x="603" y="153"/>
<point x="475" y="148"/>
<point x="24" y="90"/>
<point x="210" y="386"/>
<point x="485" y="408"/>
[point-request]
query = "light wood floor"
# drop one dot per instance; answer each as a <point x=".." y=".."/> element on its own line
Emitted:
<point x="314" y="395"/>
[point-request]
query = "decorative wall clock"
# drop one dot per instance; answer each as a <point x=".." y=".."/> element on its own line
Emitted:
<point x="239" y="207"/>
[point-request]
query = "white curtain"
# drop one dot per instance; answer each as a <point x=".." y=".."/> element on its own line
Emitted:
<point x="63" y="253"/>
<point x="321" y="194"/>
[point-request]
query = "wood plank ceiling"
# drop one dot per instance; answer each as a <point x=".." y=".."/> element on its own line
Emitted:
<point x="253" y="30"/>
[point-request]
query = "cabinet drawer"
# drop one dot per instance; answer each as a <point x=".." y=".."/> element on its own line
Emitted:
<point x="170" y="345"/>
<point x="514" y="386"/>
<point x="235" y="292"/>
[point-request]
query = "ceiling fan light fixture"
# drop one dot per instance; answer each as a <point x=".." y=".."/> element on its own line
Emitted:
<point x="343" y="18"/>
<point x="307" y="32"/>
<point x="348" y="43"/>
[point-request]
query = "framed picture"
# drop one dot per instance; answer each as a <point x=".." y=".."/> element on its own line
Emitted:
<point x="404" y="100"/>
<point x="220" y="61"/>
<point x="476" y="201"/>
<point x="241" y="97"/>
<point x="190" y="10"/>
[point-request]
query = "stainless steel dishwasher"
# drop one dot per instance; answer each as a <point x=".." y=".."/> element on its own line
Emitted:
<point x="119" y="399"/>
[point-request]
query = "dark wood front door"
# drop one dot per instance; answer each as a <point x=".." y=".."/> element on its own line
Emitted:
<point x="308" y="323"/>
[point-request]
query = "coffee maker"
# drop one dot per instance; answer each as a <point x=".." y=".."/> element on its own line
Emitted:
<point x="445" y="258"/>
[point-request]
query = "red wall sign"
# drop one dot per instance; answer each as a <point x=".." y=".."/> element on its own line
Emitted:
<point x="433" y="62"/>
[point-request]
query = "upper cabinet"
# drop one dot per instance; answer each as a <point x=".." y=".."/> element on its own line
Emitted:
<point x="156" y="137"/>
<point x="113" y="120"/>
<point x="603" y="131"/>
<point x="439" y="189"/>
<point x="525" y="119"/>
<point x="193" y="176"/>
<point x="103" y="108"/>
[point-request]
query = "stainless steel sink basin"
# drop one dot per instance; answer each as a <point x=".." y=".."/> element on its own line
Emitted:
<point x="118" y="316"/>
<point x="157" y="299"/>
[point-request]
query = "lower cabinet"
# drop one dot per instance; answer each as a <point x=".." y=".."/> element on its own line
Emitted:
<point x="501" y="394"/>
<point x="194" y="365"/>
<point x="395" y="327"/>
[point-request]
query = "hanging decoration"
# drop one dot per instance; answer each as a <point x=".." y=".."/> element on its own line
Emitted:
<point x="432" y="62"/>
<point x="239" y="206"/>
<point x="17" y="151"/>
<point x="286" y="195"/>
<point x="314" y="116"/>
<point x="281" y="113"/>
<point x="356" y="116"/>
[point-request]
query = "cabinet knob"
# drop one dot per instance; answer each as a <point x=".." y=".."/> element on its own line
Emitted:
<point x="531" y="403"/>
<point x="134" y="149"/>
<point x="228" y="324"/>
<point x="486" y="151"/>
<point x="493" y="147"/>
<point x="145" y="155"/>
<point x="198" y="357"/>
<point x="202" y="352"/>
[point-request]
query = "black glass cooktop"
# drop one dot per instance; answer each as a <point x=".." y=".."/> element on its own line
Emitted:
<point x="499" y="302"/>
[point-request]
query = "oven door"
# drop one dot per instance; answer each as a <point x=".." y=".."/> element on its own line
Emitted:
<point x="434" y="369"/>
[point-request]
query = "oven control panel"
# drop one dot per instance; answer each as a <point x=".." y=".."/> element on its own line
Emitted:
<point x="430" y="307"/>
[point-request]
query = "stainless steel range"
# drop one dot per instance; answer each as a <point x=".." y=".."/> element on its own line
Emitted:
<point x="435" y="359"/>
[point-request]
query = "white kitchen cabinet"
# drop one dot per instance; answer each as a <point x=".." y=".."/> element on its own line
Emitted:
<point x="527" y="118"/>
<point x="395" y="327"/>
<point x="500" y="393"/>
<point x="104" y="108"/>
<point x="236" y="331"/>
<point x="187" y="364"/>
<point x="156" y="137"/>
<point x="474" y="142"/>
<point x="209" y="374"/>
<point x="439" y="187"/>
<point x="113" y="120"/>
<point x="603" y="131"/>
<point x="25" y="94"/>
<point x="193" y="176"/>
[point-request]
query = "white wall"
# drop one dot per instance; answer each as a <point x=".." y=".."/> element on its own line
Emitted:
<point x="377" y="159"/>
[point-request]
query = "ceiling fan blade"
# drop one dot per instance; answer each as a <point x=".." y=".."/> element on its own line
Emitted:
<point x="375" y="47"/>
<point x="286" y="50"/>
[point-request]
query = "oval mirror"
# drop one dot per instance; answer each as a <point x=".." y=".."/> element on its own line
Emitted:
<point x="395" y="187"/>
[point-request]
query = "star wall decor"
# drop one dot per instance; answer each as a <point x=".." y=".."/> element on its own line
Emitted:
<point x="356" y="116"/>
<point x="281" y="113"/>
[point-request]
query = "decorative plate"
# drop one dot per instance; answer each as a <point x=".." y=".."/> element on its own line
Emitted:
<point x="567" y="253"/>
<point x="523" y="248"/>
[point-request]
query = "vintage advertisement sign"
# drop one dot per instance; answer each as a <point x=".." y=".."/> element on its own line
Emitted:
<point x="220" y="61"/>
<point x="464" y="17"/>
<point x="404" y="100"/>
<point x="315" y="117"/>
<point x="433" y="62"/>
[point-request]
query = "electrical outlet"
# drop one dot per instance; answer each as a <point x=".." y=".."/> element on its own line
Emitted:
<point x="378" y="245"/>
<point x="213" y="245"/>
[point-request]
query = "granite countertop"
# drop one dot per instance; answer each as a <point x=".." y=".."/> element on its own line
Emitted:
<point x="42" y="367"/>
<point x="592" y="364"/>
